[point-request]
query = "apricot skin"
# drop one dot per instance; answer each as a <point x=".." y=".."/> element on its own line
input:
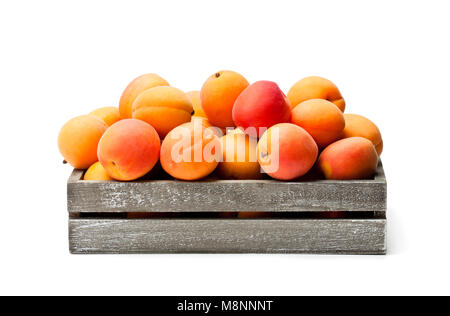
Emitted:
<point x="163" y="107"/>
<point x="253" y="215"/>
<point x="239" y="157"/>
<point x="186" y="134"/>
<point x="218" y="95"/>
<point x="129" y="149"/>
<point x="349" y="159"/>
<point x="261" y="105"/>
<point x="78" y="140"/>
<point x="321" y="119"/>
<point x="315" y="88"/>
<point x="297" y="151"/>
<point x="358" y="125"/>
<point x="135" y="88"/>
<point x="109" y="115"/>
<point x="97" y="172"/>
<point x="199" y="114"/>
<point x="194" y="96"/>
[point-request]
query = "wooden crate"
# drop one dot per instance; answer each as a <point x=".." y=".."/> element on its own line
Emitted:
<point x="190" y="216"/>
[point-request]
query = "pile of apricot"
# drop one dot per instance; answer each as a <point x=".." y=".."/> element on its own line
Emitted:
<point x="231" y="127"/>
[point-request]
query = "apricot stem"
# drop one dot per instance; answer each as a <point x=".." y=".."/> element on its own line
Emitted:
<point x="217" y="74"/>
<point x="64" y="162"/>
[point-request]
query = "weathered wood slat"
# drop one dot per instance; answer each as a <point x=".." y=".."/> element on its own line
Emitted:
<point x="227" y="195"/>
<point x="343" y="236"/>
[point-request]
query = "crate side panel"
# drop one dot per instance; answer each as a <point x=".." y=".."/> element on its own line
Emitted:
<point x="221" y="196"/>
<point x="228" y="236"/>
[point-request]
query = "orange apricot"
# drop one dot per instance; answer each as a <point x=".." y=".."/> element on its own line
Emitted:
<point x="163" y="107"/>
<point x="315" y="88"/>
<point x="194" y="96"/>
<point x="129" y="149"/>
<point x="135" y="88"/>
<point x="109" y="114"/>
<point x="253" y="215"/>
<point x="358" y="125"/>
<point x="96" y="172"/>
<point x="218" y="95"/>
<point x="78" y="140"/>
<point x="321" y="119"/>
<point x="190" y="151"/>
<point x="349" y="159"/>
<point x="286" y="151"/>
<point x="239" y="157"/>
<point x="204" y="121"/>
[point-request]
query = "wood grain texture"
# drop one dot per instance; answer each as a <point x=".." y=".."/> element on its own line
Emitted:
<point x="343" y="236"/>
<point x="227" y="195"/>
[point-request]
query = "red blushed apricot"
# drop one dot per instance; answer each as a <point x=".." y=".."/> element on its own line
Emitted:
<point x="315" y="88"/>
<point x="321" y="119"/>
<point x="360" y="126"/>
<point x="96" y="172"/>
<point x="78" y="140"/>
<point x="129" y="149"/>
<point x="261" y="105"/>
<point x="349" y="159"/>
<point x="109" y="114"/>
<point x="135" y="88"/>
<point x="190" y="151"/>
<point x="286" y="151"/>
<point x="218" y="95"/>
<point x="163" y="107"/>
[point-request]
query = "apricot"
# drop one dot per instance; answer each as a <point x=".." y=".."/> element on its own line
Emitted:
<point x="218" y="95"/>
<point x="190" y="151"/>
<point x="321" y="119"/>
<point x="194" y="96"/>
<point x="253" y="215"/>
<point x="163" y="107"/>
<point x="239" y="159"/>
<point x="204" y="121"/>
<point x="358" y="125"/>
<point x="349" y="159"/>
<point x="260" y="106"/>
<point x="156" y="173"/>
<point x="315" y="88"/>
<point x="78" y="140"/>
<point x="97" y="172"/>
<point x="129" y="149"/>
<point x="286" y="151"/>
<point x="109" y="114"/>
<point x="236" y="130"/>
<point x="136" y="87"/>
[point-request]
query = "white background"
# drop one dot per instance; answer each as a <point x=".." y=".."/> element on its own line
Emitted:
<point x="59" y="59"/>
